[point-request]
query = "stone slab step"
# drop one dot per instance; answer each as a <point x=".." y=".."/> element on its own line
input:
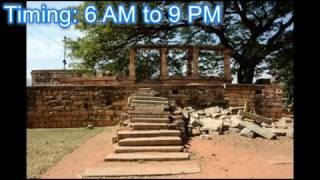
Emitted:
<point x="169" y="156"/>
<point x="149" y="126"/>
<point x="177" y="117"/>
<point x="142" y="94"/>
<point x="150" y="108"/>
<point x="150" y="141"/>
<point x="148" y="112"/>
<point x="131" y="149"/>
<point x="114" y="169"/>
<point x="149" y="116"/>
<point x="144" y="89"/>
<point x="151" y="98"/>
<point x="155" y="107"/>
<point x="165" y="102"/>
<point x="151" y="120"/>
<point x="151" y="133"/>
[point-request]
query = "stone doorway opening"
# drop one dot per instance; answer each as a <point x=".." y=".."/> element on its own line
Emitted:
<point x="178" y="63"/>
<point x="147" y="65"/>
<point x="211" y="63"/>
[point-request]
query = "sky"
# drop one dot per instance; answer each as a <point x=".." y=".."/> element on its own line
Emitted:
<point x="45" y="42"/>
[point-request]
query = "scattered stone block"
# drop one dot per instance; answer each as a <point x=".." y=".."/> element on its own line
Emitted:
<point x="216" y="133"/>
<point x="282" y="124"/>
<point x="201" y="112"/>
<point x="257" y="129"/>
<point x="278" y="132"/>
<point x="287" y="119"/>
<point x="194" y="115"/>
<point x="211" y="124"/>
<point x="255" y="117"/>
<point x="215" y="115"/>
<point x="188" y="108"/>
<point x="247" y="133"/>
<point x="225" y="112"/>
<point x="204" y="131"/>
<point x="235" y="121"/>
<point x="226" y="124"/>
<point x="177" y="112"/>
<point x="185" y="114"/>
<point x="115" y="139"/>
<point x="290" y="133"/>
<point x="266" y="125"/>
<point x="195" y="122"/>
<point x="195" y="132"/>
<point x="234" y="130"/>
<point x="209" y="111"/>
<point x="205" y="136"/>
<point x="234" y="110"/>
<point x="247" y="119"/>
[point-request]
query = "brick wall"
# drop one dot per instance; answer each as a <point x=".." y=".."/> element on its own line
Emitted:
<point x="264" y="99"/>
<point x="78" y="106"/>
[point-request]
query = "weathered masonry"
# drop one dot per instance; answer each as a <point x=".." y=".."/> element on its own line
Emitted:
<point x="65" y="98"/>
<point x="69" y="77"/>
<point x="78" y="106"/>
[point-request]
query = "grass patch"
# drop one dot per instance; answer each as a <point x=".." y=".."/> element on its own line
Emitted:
<point x="45" y="147"/>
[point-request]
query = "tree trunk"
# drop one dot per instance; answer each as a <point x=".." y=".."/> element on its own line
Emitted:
<point x="245" y="74"/>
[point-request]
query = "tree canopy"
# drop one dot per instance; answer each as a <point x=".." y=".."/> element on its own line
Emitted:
<point x="258" y="32"/>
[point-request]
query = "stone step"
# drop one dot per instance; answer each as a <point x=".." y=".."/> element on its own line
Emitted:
<point x="150" y="141"/>
<point x="149" y="126"/>
<point x="140" y="107"/>
<point x="148" y="112"/>
<point x="177" y="117"/>
<point x="165" y="102"/>
<point x="144" y="89"/>
<point x="179" y="122"/>
<point x="149" y="116"/>
<point x="170" y="156"/>
<point x="156" y="107"/>
<point x="150" y="98"/>
<point x="142" y="94"/>
<point x="145" y="169"/>
<point x="151" y="120"/>
<point x="151" y="133"/>
<point x="131" y="149"/>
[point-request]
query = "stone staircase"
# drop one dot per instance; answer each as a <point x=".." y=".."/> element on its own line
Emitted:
<point x="151" y="134"/>
<point x="149" y="143"/>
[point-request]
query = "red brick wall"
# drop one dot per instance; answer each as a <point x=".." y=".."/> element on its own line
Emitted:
<point x="265" y="99"/>
<point x="78" y="106"/>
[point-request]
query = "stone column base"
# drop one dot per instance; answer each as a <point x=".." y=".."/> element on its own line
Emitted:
<point x="164" y="77"/>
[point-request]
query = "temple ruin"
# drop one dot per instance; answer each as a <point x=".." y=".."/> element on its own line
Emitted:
<point x="70" y="77"/>
<point x="67" y="98"/>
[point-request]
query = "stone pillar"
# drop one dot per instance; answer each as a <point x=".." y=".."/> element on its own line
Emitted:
<point x="189" y="62"/>
<point x="227" y="69"/>
<point x="132" y="66"/>
<point x="195" y="62"/>
<point x="164" y="63"/>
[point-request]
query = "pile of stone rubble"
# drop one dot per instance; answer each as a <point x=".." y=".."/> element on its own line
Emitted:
<point x="217" y="121"/>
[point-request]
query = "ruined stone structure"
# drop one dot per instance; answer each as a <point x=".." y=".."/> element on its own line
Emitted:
<point x="152" y="131"/>
<point x="69" y="77"/>
<point x="65" y="98"/>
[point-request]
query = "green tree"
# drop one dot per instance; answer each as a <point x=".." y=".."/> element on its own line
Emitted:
<point x="253" y="30"/>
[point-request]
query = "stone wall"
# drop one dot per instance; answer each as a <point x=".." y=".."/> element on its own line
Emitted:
<point x="74" y="78"/>
<point x="264" y="99"/>
<point x="78" y="106"/>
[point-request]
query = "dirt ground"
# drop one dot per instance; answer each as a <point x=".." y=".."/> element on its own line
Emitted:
<point x="225" y="156"/>
<point x="47" y="146"/>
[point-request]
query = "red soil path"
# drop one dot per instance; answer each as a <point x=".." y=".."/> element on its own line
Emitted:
<point x="225" y="156"/>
